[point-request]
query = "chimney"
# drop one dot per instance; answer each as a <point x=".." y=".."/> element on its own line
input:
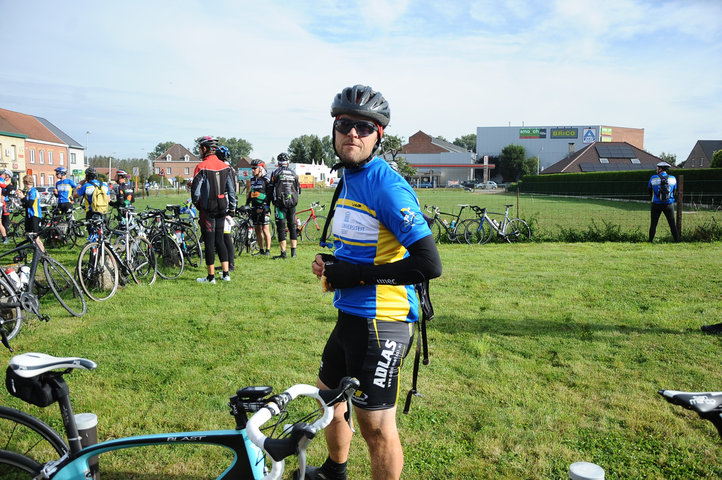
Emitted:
<point x="571" y="148"/>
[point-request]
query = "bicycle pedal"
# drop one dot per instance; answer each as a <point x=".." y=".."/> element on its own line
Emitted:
<point x="44" y="317"/>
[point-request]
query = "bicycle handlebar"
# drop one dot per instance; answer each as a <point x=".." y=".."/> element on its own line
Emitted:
<point x="302" y="433"/>
<point x="432" y="209"/>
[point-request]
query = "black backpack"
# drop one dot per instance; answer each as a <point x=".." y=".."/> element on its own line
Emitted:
<point x="665" y="190"/>
<point x="285" y="193"/>
<point x="212" y="195"/>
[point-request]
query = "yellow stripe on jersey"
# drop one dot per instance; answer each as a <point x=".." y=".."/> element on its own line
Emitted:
<point x="357" y="205"/>
<point x="392" y="302"/>
<point x="389" y="249"/>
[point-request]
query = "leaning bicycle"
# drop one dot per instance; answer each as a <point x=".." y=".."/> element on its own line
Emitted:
<point x="480" y="230"/>
<point x="255" y="447"/>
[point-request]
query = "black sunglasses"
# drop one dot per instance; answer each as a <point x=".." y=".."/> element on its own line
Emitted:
<point x="362" y="127"/>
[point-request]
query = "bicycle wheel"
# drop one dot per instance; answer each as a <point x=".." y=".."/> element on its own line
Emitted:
<point x="517" y="231"/>
<point x="477" y="231"/>
<point x="192" y="247"/>
<point x="14" y="466"/>
<point x="168" y="256"/>
<point x="98" y="272"/>
<point x="25" y="434"/>
<point x="142" y="261"/>
<point x="436" y="230"/>
<point x="11" y="314"/>
<point x="314" y="228"/>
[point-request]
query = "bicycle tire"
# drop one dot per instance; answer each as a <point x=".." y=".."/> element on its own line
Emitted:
<point x="28" y="435"/>
<point x="517" y="230"/>
<point x="142" y="261"/>
<point x="14" y="466"/>
<point x="11" y="317"/>
<point x="436" y="230"/>
<point x="313" y="229"/>
<point x="168" y="256"/>
<point x="64" y="287"/>
<point x="99" y="282"/>
<point x="192" y="250"/>
<point x="477" y="232"/>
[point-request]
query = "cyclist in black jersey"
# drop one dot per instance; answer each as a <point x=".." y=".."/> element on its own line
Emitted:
<point x="259" y="198"/>
<point x="382" y="247"/>
<point x="124" y="195"/>
<point x="286" y="189"/>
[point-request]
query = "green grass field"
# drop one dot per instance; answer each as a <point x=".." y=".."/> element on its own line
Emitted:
<point x="542" y="354"/>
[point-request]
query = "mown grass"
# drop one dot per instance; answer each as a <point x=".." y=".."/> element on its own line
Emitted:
<point x="543" y="354"/>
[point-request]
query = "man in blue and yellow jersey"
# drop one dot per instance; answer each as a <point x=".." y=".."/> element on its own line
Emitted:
<point x="33" y="211"/>
<point x="382" y="247"/>
<point x="64" y="190"/>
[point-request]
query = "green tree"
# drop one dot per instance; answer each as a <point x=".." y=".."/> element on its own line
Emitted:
<point x="309" y="149"/>
<point x="406" y="170"/>
<point x="392" y="145"/>
<point x="670" y="158"/>
<point x="237" y="146"/>
<point x="716" y="159"/>
<point x="329" y="153"/>
<point x="160" y="149"/>
<point x="511" y="162"/>
<point x="467" y="141"/>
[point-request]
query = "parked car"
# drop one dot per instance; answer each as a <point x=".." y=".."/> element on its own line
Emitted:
<point x="46" y="195"/>
<point x="425" y="185"/>
<point x="486" y="186"/>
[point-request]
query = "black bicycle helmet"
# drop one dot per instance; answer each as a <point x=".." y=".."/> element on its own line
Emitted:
<point x="91" y="173"/>
<point x="209" y="142"/>
<point x="283" y="159"/>
<point x="121" y="173"/>
<point x="364" y="101"/>
<point x="257" y="163"/>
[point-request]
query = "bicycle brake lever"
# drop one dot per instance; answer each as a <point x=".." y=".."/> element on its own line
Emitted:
<point x="347" y="415"/>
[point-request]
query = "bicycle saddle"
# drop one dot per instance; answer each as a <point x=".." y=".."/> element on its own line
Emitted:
<point x="32" y="364"/>
<point x="700" y="402"/>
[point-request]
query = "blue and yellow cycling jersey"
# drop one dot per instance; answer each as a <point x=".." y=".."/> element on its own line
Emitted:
<point x="377" y="216"/>
<point x="655" y="184"/>
<point x="64" y="189"/>
<point x="32" y="203"/>
<point x="86" y="190"/>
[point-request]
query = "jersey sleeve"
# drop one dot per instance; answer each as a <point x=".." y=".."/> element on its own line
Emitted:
<point x="399" y="210"/>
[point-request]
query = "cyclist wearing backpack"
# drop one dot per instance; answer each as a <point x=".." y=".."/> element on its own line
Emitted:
<point x="94" y="193"/>
<point x="382" y="247"/>
<point x="214" y="194"/>
<point x="662" y="190"/>
<point x="286" y="189"/>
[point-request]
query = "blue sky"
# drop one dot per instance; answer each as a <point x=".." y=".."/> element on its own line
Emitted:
<point x="136" y="73"/>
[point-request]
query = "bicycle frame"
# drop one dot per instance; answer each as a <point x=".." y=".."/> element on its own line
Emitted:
<point x="311" y="216"/>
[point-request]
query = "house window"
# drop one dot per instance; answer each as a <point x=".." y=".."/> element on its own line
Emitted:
<point x="42" y="179"/>
<point x="635" y="161"/>
<point x="41" y="153"/>
<point x="168" y="158"/>
<point x="187" y="170"/>
<point x="168" y="170"/>
<point x="32" y="155"/>
<point x="187" y="158"/>
<point x="51" y="180"/>
<point x="603" y="160"/>
<point x="157" y="170"/>
<point x="62" y="158"/>
<point x="72" y="158"/>
<point x="50" y="157"/>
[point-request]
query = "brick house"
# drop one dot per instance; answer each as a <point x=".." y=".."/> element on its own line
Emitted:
<point x="43" y="150"/>
<point x="701" y="154"/>
<point x="177" y="161"/>
<point x="604" y="157"/>
<point x="437" y="162"/>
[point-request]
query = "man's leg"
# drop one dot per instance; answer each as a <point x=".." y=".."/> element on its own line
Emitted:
<point x="669" y="213"/>
<point x="656" y="211"/>
<point x="378" y="428"/>
<point x="338" y="434"/>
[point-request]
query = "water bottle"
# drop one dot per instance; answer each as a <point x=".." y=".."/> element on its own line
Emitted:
<point x="298" y="222"/>
<point x="445" y="222"/>
<point x="495" y="223"/>
<point x="14" y="277"/>
<point x="179" y="237"/>
<point x="453" y="222"/>
<point x="24" y="275"/>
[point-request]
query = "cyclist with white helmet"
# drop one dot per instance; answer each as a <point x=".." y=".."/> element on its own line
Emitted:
<point x="663" y="190"/>
<point x="64" y="188"/>
<point x="124" y="194"/>
<point x="382" y="247"/>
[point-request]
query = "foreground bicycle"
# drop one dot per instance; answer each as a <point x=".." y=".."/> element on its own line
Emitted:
<point x="45" y="274"/>
<point x="247" y="441"/>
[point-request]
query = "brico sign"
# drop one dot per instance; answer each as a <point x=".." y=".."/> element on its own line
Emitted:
<point x="565" y="132"/>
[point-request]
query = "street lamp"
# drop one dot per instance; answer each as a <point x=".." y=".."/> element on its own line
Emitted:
<point x="85" y="162"/>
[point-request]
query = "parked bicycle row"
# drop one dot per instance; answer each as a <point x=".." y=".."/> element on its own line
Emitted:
<point x="479" y="229"/>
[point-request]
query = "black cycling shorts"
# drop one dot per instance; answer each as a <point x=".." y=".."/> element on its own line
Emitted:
<point x="260" y="215"/>
<point x="370" y="350"/>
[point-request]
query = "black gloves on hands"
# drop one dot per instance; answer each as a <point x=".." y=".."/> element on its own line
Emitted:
<point x="342" y="274"/>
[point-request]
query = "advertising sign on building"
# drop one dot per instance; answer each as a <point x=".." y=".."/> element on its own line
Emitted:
<point x="244" y="174"/>
<point x="589" y="135"/>
<point x="565" y="132"/>
<point x="532" y="133"/>
<point x="606" y="134"/>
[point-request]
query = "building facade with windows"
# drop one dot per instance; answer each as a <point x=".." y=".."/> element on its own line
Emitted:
<point x="550" y="144"/>
<point x="176" y="162"/>
<point x="438" y="163"/>
<point x="702" y="153"/>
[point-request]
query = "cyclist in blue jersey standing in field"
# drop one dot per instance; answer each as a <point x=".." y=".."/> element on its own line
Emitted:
<point x="382" y="247"/>
<point x="64" y="190"/>
<point x="85" y="191"/>
<point x="33" y="210"/>
<point x="663" y="190"/>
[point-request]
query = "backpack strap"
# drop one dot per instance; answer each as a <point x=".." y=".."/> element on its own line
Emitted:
<point x="422" y="344"/>
<point x="322" y="242"/>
